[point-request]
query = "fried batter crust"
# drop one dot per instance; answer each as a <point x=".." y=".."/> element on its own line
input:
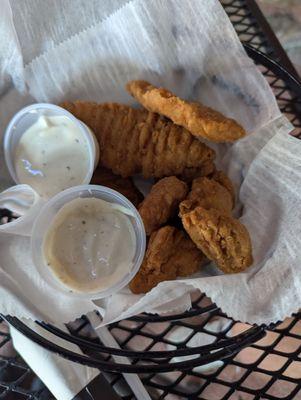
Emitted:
<point x="207" y="193"/>
<point x="198" y="119"/>
<point x="224" y="180"/>
<point x="137" y="141"/>
<point x="162" y="202"/>
<point x="170" y="254"/>
<point x="221" y="238"/>
<point x="105" y="177"/>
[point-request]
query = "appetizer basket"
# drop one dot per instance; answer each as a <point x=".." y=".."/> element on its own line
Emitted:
<point x="205" y="336"/>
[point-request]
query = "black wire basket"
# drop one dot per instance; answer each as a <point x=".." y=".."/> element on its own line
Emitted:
<point x="160" y="351"/>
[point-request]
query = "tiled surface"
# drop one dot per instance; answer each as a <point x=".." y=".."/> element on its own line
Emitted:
<point x="284" y="17"/>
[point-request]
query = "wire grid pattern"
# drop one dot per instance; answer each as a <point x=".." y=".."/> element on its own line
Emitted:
<point x="247" y="26"/>
<point x="17" y="381"/>
<point x="269" y="369"/>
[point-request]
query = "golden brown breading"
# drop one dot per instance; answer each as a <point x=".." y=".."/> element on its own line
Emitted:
<point x="221" y="238"/>
<point x="115" y="127"/>
<point x="224" y="180"/>
<point x="105" y="177"/>
<point x="189" y="174"/>
<point x="137" y="141"/>
<point x="207" y="193"/>
<point x="200" y="120"/>
<point x="170" y="254"/>
<point x="162" y="202"/>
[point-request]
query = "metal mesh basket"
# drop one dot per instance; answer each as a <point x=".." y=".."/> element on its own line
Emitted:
<point x="160" y="352"/>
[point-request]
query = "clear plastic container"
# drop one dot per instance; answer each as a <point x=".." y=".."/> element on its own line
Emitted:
<point x="46" y="216"/>
<point x="26" y="117"/>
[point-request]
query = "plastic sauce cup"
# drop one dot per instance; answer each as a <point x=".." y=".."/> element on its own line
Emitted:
<point x="26" y="117"/>
<point x="45" y="218"/>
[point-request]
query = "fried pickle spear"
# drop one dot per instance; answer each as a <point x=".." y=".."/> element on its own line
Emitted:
<point x="221" y="238"/>
<point x="170" y="254"/>
<point x="201" y="121"/>
<point x="105" y="177"/>
<point x="207" y="193"/>
<point x="162" y="202"/>
<point x="137" y="141"/>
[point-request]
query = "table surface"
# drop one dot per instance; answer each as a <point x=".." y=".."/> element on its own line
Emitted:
<point x="284" y="16"/>
<point x="270" y="369"/>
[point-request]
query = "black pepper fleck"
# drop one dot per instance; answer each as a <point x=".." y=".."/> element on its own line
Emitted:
<point x="68" y="168"/>
<point x="83" y="222"/>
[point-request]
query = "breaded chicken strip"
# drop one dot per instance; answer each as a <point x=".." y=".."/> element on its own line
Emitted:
<point x="170" y="254"/>
<point x="198" y="119"/>
<point x="207" y="193"/>
<point x="224" y="180"/>
<point x="105" y="177"/>
<point x="220" y="237"/>
<point x="137" y="141"/>
<point x="162" y="202"/>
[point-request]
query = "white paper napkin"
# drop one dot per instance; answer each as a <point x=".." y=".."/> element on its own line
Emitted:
<point x="64" y="378"/>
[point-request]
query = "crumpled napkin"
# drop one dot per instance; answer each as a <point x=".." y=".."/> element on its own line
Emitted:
<point x="25" y="203"/>
<point x="191" y="48"/>
<point x="64" y="378"/>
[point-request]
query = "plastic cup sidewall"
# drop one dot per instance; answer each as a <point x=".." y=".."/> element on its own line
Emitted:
<point x="10" y="142"/>
<point x="45" y="218"/>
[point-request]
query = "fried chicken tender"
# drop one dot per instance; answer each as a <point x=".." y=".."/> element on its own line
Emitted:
<point x="198" y="119"/>
<point x="170" y="254"/>
<point x="138" y="141"/>
<point x="224" y="180"/>
<point x="105" y="177"/>
<point x="206" y="217"/>
<point x="207" y="193"/>
<point x="220" y="237"/>
<point x="162" y="202"/>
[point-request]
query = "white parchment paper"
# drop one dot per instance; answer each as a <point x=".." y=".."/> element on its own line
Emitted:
<point x="191" y="48"/>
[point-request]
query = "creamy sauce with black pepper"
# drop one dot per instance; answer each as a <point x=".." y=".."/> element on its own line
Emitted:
<point x="52" y="155"/>
<point x="90" y="244"/>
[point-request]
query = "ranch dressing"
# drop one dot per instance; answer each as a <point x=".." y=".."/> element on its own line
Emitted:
<point x="90" y="244"/>
<point x="52" y="155"/>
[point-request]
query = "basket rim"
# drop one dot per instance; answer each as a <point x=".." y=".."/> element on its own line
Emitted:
<point x="219" y="350"/>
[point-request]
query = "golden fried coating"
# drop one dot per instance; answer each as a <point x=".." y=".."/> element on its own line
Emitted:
<point x="207" y="193"/>
<point x="162" y="202"/>
<point x="221" y="238"/>
<point x="170" y="254"/>
<point x="105" y="177"/>
<point x="189" y="174"/>
<point x="200" y="120"/>
<point x="116" y="129"/>
<point x="224" y="180"/>
<point x="137" y="141"/>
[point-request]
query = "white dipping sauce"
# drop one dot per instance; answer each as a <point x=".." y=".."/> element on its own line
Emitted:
<point x="90" y="245"/>
<point x="52" y="155"/>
